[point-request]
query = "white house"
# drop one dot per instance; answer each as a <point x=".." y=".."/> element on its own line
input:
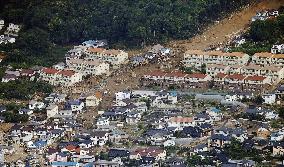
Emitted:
<point x="36" y="105"/>
<point x="102" y="121"/>
<point x="13" y="28"/>
<point x="94" y="100"/>
<point x="2" y="24"/>
<point x="277" y="136"/>
<point x="51" y="110"/>
<point x="25" y="111"/>
<point x="269" y="98"/>
<point x="122" y="95"/>
<point x="276" y="49"/>
<point x="66" y="113"/>
<point x="75" y="105"/>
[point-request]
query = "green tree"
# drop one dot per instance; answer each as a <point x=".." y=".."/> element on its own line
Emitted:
<point x="281" y="112"/>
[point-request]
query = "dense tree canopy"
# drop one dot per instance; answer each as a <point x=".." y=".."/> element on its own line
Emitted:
<point x="263" y="34"/>
<point x="122" y="22"/>
<point x="22" y="89"/>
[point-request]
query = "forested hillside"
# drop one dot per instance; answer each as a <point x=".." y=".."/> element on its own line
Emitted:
<point x="123" y="22"/>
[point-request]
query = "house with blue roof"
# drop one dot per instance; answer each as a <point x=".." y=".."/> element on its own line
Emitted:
<point x="74" y="105"/>
<point x="65" y="164"/>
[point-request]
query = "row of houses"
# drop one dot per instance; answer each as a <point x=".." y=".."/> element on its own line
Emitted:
<point x="83" y="60"/>
<point x="196" y="58"/>
<point x="274" y="72"/>
<point x="197" y="80"/>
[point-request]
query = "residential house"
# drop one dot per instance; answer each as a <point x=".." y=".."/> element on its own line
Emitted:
<point x="278" y="148"/>
<point x="75" y="53"/>
<point x="157" y="136"/>
<point x="192" y="132"/>
<point x="214" y="69"/>
<point x="175" y="76"/>
<point x="88" y="67"/>
<point x="180" y="122"/>
<point x="95" y="43"/>
<point x="277" y="49"/>
<point x="133" y="117"/>
<point x="122" y="95"/>
<point x="33" y="105"/>
<point x="61" y="164"/>
<point x="101" y="121"/>
<point x="118" y="153"/>
<point x="277" y="136"/>
<point x="114" y="57"/>
<point x="13" y="29"/>
<point x="266" y="58"/>
<point x="276" y="73"/>
<point x="51" y="110"/>
<point x="219" y="140"/>
<point x="263" y="133"/>
<point x="257" y="83"/>
<point x="157" y="153"/>
<point x="65" y="113"/>
<point x="56" y="98"/>
<point x="235" y="69"/>
<point x="74" y="105"/>
<point x="2" y="24"/>
<point x="105" y="163"/>
<point x="250" y="70"/>
<point x="100" y="137"/>
<point x="197" y="80"/>
<point x="59" y="66"/>
<point x="118" y="136"/>
<point x="94" y="100"/>
<point x="9" y="77"/>
<point x="27" y="72"/>
<point x="25" y="111"/>
<point x="269" y="98"/>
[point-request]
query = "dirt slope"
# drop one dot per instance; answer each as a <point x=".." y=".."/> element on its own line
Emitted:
<point x="221" y="31"/>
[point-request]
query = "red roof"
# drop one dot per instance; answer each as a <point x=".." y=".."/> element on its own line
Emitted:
<point x="220" y="75"/>
<point x="50" y="71"/>
<point x="176" y="74"/>
<point x="70" y="147"/>
<point x="67" y="72"/>
<point x="196" y="75"/>
<point x="181" y="119"/>
<point x="149" y="151"/>
<point x="236" y="77"/>
<point x="255" y="78"/>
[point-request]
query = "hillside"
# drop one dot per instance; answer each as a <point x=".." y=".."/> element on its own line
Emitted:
<point x="50" y="24"/>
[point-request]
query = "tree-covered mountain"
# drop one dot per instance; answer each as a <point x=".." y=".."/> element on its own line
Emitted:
<point x="122" y="22"/>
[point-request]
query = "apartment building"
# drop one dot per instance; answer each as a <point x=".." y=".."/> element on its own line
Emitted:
<point x="195" y="58"/>
<point x="266" y="58"/>
<point x="114" y="57"/>
<point x="60" y="77"/>
<point x="214" y="69"/>
<point x="88" y="67"/>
